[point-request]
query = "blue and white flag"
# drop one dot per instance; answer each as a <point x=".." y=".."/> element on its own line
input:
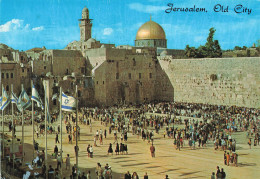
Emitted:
<point x="5" y="100"/>
<point x="48" y="111"/>
<point x="68" y="103"/>
<point x="35" y="97"/>
<point x="24" y="101"/>
<point x="14" y="99"/>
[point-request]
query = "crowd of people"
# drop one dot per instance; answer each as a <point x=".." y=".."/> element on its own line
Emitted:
<point x="217" y="124"/>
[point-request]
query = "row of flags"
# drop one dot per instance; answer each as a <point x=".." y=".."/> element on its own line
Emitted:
<point x="24" y="101"/>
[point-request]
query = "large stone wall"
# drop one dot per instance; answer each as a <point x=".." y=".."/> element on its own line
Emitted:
<point x="225" y="81"/>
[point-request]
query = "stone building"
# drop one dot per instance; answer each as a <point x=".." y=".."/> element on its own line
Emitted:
<point x="64" y="68"/>
<point x="60" y="63"/>
<point x="14" y="69"/>
<point x="8" y="54"/>
<point x="86" y="41"/>
<point x="85" y="25"/>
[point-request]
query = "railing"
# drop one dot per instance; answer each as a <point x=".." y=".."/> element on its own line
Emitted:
<point x="5" y="175"/>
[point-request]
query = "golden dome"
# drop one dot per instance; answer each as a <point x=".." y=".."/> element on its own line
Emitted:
<point x="150" y="30"/>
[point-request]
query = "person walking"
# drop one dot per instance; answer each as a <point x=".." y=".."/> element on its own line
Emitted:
<point x="218" y="174"/>
<point x="91" y="151"/>
<point x="213" y="175"/>
<point x="57" y="139"/>
<point x="127" y="175"/>
<point x="88" y="175"/>
<point x="152" y="150"/>
<point x="117" y="149"/>
<point x="59" y="160"/>
<point x="135" y="176"/>
<point x="76" y="148"/>
<point x="56" y="150"/>
<point x="69" y="139"/>
<point x="68" y="161"/>
<point x="101" y="139"/>
<point x="249" y="143"/>
<point x="110" y="150"/>
<point x="105" y="133"/>
<point x="228" y="159"/>
<point x="42" y="156"/>
<point x="235" y="159"/>
<point x="88" y="150"/>
<point x="99" y="171"/>
<point x="145" y="175"/>
<point x="223" y="174"/>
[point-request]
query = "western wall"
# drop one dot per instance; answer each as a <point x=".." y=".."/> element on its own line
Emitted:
<point x="221" y="81"/>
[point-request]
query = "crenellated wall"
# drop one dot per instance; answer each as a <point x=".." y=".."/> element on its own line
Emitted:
<point x="225" y="81"/>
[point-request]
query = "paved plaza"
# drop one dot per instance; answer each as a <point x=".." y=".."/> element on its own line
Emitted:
<point x="186" y="163"/>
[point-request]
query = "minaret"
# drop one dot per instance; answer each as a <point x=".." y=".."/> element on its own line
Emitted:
<point x="85" y="25"/>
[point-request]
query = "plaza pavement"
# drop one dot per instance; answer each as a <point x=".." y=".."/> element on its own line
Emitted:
<point x="187" y="163"/>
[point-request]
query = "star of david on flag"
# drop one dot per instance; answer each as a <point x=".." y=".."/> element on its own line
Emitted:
<point x="24" y="101"/>
<point x="5" y="100"/>
<point x="35" y="97"/>
<point x="68" y="103"/>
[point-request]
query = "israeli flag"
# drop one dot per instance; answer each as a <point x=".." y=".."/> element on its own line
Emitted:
<point x="14" y="99"/>
<point x="35" y="97"/>
<point x="5" y="100"/>
<point x="48" y="111"/>
<point x="24" y="101"/>
<point x="68" y="103"/>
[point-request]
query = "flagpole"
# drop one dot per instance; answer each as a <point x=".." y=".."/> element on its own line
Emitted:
<point x="61" y="130"/>
<point x="3" y="134"/>
<point x="3" y="125"/>
<point x="32" y="120"/>
<point x="77" y="151"/>
<point x="46" y="163"/>
<point x="0" y="143"/>
<point x="13" y="154"/>
<point x="22" y="133"/>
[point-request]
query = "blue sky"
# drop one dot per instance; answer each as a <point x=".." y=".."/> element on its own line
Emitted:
<point x="26" y="24"/>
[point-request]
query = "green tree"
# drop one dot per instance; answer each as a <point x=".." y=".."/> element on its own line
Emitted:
<point x="237" y="48"/>
<point x="211" y="49"/>
<point x="240" y="48"/>
<point x="190" y="51"/>
<point x="217" y="49"/>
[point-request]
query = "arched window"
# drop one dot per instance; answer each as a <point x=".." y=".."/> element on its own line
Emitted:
<point x="7" y="87"/>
